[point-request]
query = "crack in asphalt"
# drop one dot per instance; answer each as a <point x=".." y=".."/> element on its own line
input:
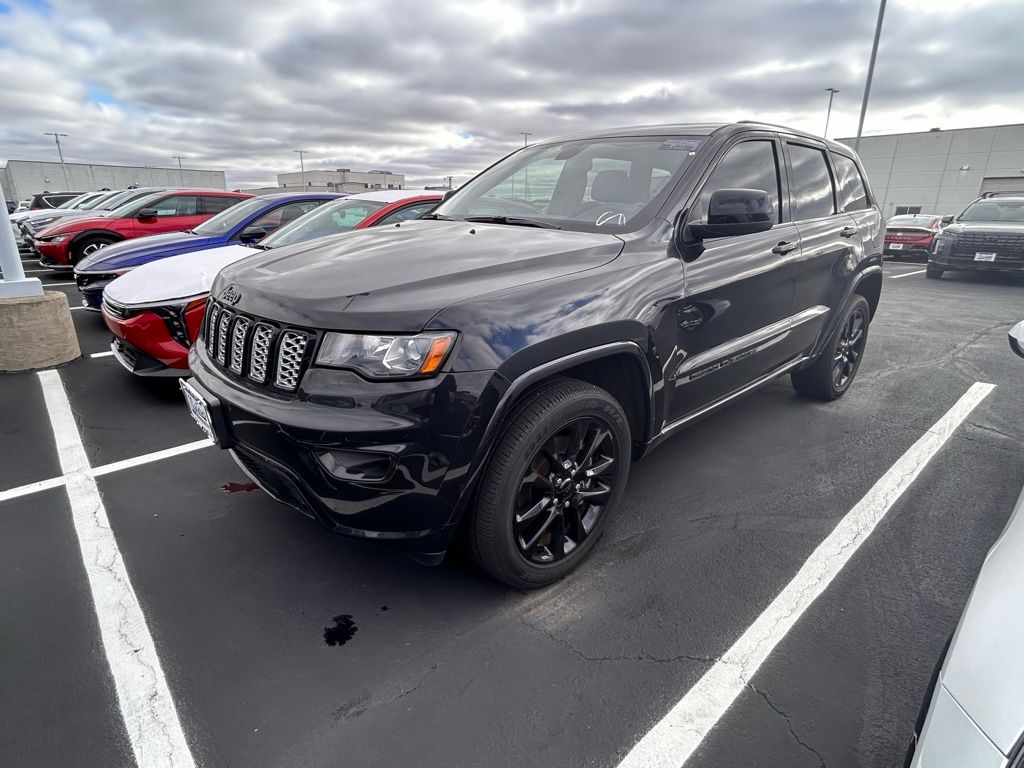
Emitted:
<point x="789" y="725"/>
<point x="636" y="657"/>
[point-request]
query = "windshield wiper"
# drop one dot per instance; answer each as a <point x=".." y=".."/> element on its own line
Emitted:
<point x="440" y="217"/>
<point x="515" y="221"/>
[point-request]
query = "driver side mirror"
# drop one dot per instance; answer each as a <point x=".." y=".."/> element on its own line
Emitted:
<point x="147" y="213"/>
<point x="252" y="233"/>
<point x="734" y="212"/>
<point x="947" y="220"/>
<point x="1017" y="339"/>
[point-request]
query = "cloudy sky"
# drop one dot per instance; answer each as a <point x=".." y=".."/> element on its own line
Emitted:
<point x="438" y="87"/>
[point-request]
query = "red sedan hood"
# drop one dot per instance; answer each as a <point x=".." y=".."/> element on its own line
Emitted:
<point x="76" y="225"/>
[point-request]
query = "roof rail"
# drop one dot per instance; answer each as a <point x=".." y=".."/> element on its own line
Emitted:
<point x="1007" y="193"/>
<point x="773" y="125"/>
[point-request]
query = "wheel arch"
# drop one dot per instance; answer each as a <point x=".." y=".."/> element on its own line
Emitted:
<point x="105" y="234"/>
<point x="869" y="285"/>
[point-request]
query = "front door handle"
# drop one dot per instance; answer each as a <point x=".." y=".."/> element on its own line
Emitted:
<point x="847" y="231"/>
<point x="784" y="247"/>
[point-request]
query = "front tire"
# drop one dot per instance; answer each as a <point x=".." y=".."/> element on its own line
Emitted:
<point x="933" y="272"/>
<point x="89" y="245"/>
<point x="833" y="371"/>
<point x="556" y="475"/>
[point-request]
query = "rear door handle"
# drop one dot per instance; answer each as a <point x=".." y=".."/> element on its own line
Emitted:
<point x="784" y="247"/>
<point x="847" y="231"/>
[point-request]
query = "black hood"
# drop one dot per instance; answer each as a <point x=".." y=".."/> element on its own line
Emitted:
<point x="397" y="278"/>
<point x="985" y="228"/>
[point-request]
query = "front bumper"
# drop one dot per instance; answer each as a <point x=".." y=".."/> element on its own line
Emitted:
<point x="950" y="738"/>
<point x="144" y="345"/>
<point x="91" y="286"/>
<point x="53" y="255"/>
<point x="390" y="461"/>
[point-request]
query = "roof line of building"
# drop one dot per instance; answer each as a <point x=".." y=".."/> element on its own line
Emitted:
<point x="941" y="130"/>
<point x="110" y="165"/>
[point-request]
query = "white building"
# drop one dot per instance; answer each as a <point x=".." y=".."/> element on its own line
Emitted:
<point x="21" y="178"/>
<point x="942" y="171"/>
<point x="342" y="180"/>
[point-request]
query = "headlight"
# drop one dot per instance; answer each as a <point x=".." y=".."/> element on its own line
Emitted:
<point x="940" y="242"/>
<point x="40" y="223"/>
<point x="56" y="238"/>
<point x="387" y="356"/>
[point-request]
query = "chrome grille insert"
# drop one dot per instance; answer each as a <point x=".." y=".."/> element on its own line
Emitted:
<point x="238" y="343"/>
<point x="222" y="336"/>
<point x="259" y="354"/>
<point x="289" y="359"/>
<point x="211" y="328"/>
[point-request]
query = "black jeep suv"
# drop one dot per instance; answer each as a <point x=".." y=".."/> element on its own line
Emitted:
<point x="988" y="236"/>
<point x="501" y="361"/>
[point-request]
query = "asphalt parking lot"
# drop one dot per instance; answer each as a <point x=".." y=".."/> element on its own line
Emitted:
<point x="283" y="645"/>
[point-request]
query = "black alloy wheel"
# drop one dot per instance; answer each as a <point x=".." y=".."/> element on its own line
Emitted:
<point x="831" y="373"/>
<point x="553" y="480"/>
<point x="850" y="348"/>
<point x="564" y="490"/>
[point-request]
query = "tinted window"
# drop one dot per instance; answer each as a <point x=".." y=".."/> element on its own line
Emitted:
<point x="217" y="204"/>
<point x="285" y="214"/>
<point x="811" y="185"/>
<point x="331" y="219"/>
<point x="750" y="165"/>
<point x="176" y="205"/>
<point x="852" y="192"/>
<point x="409" y="212"/>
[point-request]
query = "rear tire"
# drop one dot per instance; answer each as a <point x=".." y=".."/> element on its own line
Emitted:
<point x="556" y="475"/>
<point x="89" y="245"/>
<point x="833" y="371"/>
<point x="933" y="272"/>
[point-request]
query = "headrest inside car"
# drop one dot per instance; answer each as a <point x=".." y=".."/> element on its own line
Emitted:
<point x="612" y="187"/>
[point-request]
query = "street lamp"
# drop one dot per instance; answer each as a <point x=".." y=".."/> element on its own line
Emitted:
<point x="60" y="154"/>
<point x="302" y="165"/>
<point x="831" y="94"/>
<point x="871" y="72"/>
<point x="181" y="173"/>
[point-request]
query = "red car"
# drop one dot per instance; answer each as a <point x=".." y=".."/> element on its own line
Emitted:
<point x="155" y="310"/>
<point x="911" y="235"/>
<point x="62" y="245"/>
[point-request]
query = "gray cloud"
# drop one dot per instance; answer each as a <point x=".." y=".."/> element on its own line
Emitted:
<point x="442" y="88"/>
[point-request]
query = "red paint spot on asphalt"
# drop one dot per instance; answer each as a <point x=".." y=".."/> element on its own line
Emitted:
<point x="238" y="487"/>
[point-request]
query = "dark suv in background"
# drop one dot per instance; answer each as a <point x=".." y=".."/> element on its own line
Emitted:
<point x="500" y="362"/>
<point x="987" y="236"/>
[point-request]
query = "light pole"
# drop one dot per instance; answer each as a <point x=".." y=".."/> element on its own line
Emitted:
<point x="828" y="113"/>
<point x="181" y="173"/>
<point x="871" y="72"/>
<point x="302" y="165"/>
<point x="60" y="154"/>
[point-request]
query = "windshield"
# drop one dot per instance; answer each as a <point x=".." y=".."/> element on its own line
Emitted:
<point x="74" y="202"/>
<point x="133" y="205"/>
<point x="230" y="218"/>
<point x="591" y="185"/>
<point x="98" y="201"/>
<point x="328" y="219"/>
<point x="994" y="210"/>
<point x="911" y="221"/>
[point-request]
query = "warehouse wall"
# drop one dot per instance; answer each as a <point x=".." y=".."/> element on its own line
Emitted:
<point x="942" y="171"/>
<point x="22" y="178"/>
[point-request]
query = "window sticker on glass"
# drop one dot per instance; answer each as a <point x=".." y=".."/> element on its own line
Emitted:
<point x="681" y="144"/>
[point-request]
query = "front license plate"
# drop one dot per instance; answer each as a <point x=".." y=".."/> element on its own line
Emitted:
<point x="984" y="256"/>
<point x="198" y="408"/>
<point x="896" y="246"/>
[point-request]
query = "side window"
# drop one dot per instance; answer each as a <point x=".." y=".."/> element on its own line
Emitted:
<point x="852" y="192"/>
<point x="811" y="185"/>
<point x="215" y="205"/>
<point x="285" y="214"/>
<point x="409" y="212"/>
<point x="176" y="205"/>
<point x="750" y="165"/>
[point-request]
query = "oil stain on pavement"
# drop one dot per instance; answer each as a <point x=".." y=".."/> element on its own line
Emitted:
<point x="342" y="631"/>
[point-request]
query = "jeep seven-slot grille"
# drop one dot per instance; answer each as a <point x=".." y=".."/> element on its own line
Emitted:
<point x="254" y="349"/>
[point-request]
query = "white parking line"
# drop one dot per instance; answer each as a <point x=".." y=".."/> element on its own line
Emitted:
<point x="673" y="740"/>
<point x="147" y="708"/>
<point x="106" y="469"/>
<point x="908" y="274"/>
<point x="94" y="355"/>
<point x="53" y="285"/>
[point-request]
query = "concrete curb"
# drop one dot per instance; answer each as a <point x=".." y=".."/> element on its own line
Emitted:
<point x="36" y="332"/>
